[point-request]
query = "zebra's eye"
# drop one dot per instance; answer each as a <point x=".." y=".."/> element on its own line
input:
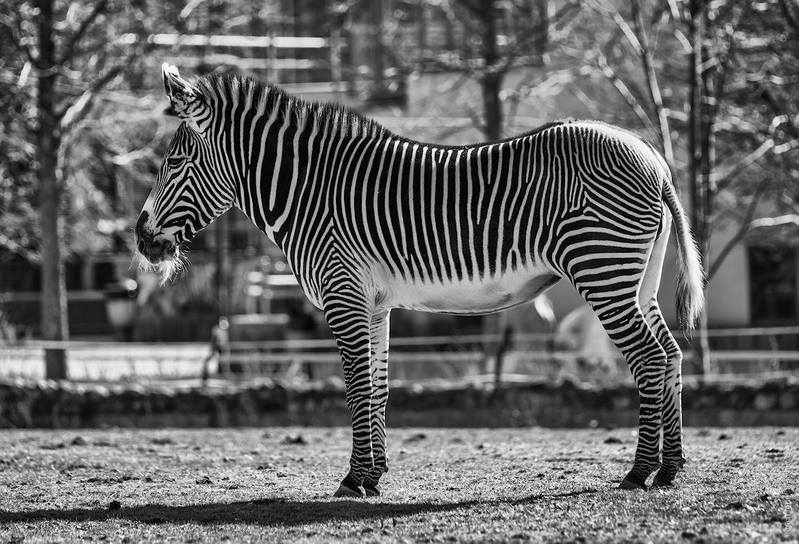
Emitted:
<point x="175" y="162"/>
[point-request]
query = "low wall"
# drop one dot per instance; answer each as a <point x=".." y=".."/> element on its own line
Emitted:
<point x="565" y="404"/>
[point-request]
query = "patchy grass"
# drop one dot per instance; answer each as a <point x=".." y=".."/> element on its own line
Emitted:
<point x="445" y="485"/>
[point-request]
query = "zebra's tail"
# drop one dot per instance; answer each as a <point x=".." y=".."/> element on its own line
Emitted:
<point x="691" y="277"/>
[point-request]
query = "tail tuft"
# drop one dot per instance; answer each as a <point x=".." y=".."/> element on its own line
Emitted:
<point x="691" y="278"/>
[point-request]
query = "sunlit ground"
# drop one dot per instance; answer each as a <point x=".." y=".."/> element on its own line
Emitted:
<point x="444" y="485"/>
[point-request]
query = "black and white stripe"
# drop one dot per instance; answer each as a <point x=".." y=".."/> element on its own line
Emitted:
<point x="371" y="221"/>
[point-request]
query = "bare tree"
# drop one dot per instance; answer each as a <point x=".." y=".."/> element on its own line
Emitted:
<point x="69" y="52"/>
<point x="698" y="84"/>
<point x="498" y="37"/>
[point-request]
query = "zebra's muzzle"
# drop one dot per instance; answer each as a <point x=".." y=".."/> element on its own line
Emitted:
<point x="157" y="251"/>
<point x="152" y="247"/>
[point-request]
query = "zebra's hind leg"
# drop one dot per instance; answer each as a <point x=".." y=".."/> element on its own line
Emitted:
<point x="379" y="346"/>
<point x="626" y="325"/>
<point x="673" y="459"/>
<point x="349" y="316"/>
<point x="671" y="424"/>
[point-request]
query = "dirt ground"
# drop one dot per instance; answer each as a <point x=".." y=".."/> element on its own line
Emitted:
<point x="272" y="485"/>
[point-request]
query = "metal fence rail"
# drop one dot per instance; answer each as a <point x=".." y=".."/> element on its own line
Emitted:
<point x="448" y="357"/>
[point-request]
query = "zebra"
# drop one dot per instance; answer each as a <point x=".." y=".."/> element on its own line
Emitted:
<point x="370" y="221"/>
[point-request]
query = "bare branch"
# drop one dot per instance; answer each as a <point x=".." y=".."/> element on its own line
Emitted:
<point x="674" y="10"/>
<point x="790" y="219"/>
<point x="71" y="45"/>
<point x="22" y="251"/>
<point x="624" y="90"/>
<point x="478" y="8"/>
<point x="565" y="14"/>
<point x="75" y="112"/>
<point x="607" y="9"/>
<point x="790" y="16"/>
<point x="14" y="27"/>
<point x="476" y="120"/>
<point x="652" y="83"/>
<point x="743" y="228"/>
<point x="723" y="179"/>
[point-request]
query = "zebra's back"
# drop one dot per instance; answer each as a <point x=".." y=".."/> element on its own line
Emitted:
<point x="440" y="224"/>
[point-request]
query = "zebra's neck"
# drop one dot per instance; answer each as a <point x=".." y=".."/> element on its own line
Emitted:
<point x="290" y="151"/>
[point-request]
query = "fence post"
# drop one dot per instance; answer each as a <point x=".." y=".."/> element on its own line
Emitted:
<point x="504" y="344"/>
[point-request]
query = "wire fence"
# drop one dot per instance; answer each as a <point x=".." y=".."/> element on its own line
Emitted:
<point x="473" y="357"/>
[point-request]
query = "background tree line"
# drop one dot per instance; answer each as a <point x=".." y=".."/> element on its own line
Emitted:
<point x="710" y="83"/>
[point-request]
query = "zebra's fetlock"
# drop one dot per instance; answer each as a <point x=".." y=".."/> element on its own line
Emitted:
<point x="668" y="471"/>
<point x="350" y="486"/>
<point x="636" y="478"/>
<point x="372" y="489"/>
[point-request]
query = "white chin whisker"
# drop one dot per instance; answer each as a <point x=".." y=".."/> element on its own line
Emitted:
<point x="167" y="270"/>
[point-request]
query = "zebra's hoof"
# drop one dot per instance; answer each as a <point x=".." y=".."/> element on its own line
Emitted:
<point x="347" y="491"/>
<point x="662" y="481"/>
<point x="629" y="484"/>
<point x="372" y="490"/>
<point x="632" y="482"/>
<point x="665" y="476"/>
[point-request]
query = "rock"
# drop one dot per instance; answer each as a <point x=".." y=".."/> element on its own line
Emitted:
<point x="724" y="436"/>
<point x="78" y="441"/>
<point x="298" y="440"/>
<point x="205" y="480"/>
<point x="114" y="505"/>
<point x="612" y="440"/>
<point x="417" y="437"/>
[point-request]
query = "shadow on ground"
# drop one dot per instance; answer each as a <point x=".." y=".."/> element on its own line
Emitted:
<point x="271" y="512"/>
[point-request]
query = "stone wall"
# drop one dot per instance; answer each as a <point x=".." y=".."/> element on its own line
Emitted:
<point x="565" y="404"/>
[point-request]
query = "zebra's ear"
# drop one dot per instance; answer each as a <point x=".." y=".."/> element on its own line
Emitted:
<point x="184" y="99"/>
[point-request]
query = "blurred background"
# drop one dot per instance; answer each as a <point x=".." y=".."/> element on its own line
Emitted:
<point x="713" y="85"/>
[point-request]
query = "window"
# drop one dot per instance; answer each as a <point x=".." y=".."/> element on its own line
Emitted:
<point x="104" y="274"/>
<point x="773" y="293"/>
<point x="72" y="274"/>
<point x="17" y="274"/>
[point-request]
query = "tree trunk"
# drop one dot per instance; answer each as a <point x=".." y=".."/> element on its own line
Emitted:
<point x="491" y="81"/>
<point x="222" y="277"/>
<point x="697" y="143"/>
<point x="490" y="87"/>
<point x="492" y="106"/>
<point x="54" y="300"/>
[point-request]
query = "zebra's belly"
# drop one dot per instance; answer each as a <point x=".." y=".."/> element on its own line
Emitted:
<point x="470" y="296"/>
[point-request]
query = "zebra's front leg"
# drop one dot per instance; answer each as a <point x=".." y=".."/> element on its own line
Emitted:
<point x="349" y="317"/>
<point x="379" y="347"/>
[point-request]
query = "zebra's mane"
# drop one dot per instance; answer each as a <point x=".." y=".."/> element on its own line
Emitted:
<point x="335" y="117"/>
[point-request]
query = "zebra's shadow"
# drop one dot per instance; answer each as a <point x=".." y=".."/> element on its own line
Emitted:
<point x="275" y="512"/>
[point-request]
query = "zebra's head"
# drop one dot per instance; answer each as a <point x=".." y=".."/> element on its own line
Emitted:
<point x="190" y="190"/>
